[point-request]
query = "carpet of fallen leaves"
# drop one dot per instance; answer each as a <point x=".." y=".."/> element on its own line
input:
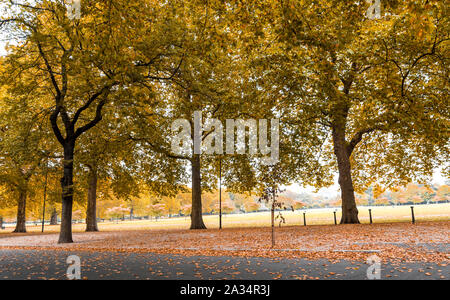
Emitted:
<point x="392" y="242"/>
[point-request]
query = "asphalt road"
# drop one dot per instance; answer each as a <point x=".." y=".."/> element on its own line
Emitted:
<point x="36" y="265"/>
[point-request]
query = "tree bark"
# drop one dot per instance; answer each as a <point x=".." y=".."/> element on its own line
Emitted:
<point x="341" y="150"/>
<point x="196" y="212"/>
<point x="65" y="234"/>
<point x="54" y="217"/>
<point x="91" y="212"/>
<point x="21" y="212"/>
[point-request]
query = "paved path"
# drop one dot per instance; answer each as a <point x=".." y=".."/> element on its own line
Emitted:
<point x="27" y="264"/>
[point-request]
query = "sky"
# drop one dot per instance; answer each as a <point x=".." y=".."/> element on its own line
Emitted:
<point x="2" y="49"/>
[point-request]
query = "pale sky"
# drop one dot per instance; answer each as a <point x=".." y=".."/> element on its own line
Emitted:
<point x="2" y="48"/>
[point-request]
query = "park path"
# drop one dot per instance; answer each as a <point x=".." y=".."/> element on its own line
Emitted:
<point x="35" y="265"/>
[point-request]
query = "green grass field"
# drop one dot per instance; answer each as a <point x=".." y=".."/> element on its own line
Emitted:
<point x="380" y="214"/>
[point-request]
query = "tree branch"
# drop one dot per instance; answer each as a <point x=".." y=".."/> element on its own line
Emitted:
<point x="98" y="117"/>
<point x="358" y="138"/>
<point x="88" y="103"/>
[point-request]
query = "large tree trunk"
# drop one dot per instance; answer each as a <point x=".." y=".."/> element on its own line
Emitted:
<point x="54" y="217"/>
<point x="196" y="212"/>
<point x="341" y="150"/>
<point x="65" y="234"/>
<point x="21" y="211"/>
<point x="91" y="212"/>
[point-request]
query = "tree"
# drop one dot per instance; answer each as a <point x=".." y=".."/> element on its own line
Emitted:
<point x="26" y="145"/>
<point x="57" y="48"/>
<point x="106" y="154"/>
<point x="202" y="85"/>
<point x="273" y="178"/>
<point x="443" y="193"/>
<point x="172" y="205"/>
<point x="117" y="211"/>
<point x="82" y="68"/>
<point x="53" y="191"/>
<point x="157" y="210"/>
<point x="54" y="216"/>
<point x="371" y="93"/>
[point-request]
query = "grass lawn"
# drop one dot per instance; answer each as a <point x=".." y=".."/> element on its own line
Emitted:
<point x="380" y="214"/>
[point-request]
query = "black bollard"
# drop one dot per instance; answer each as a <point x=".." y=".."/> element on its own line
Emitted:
<point x="412" y="215"/>
<point x="335" y="221"/>
<point x="370" y="215"/>
<point x="304" y="219"/>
